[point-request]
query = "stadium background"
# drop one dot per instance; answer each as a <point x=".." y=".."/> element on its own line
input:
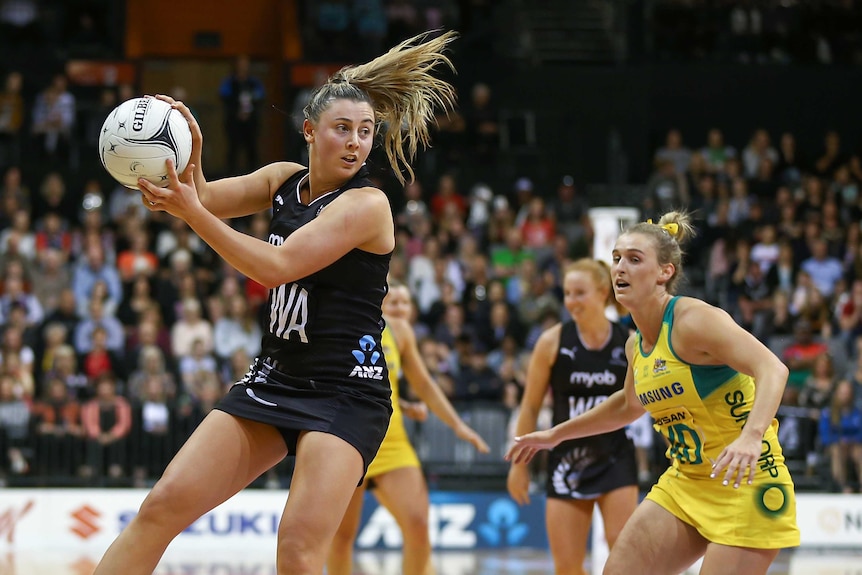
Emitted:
<point x="581" y="97"/>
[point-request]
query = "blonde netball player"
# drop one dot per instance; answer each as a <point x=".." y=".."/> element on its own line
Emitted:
<point x="581" y="362"/>
<point x="395" y="475"/>
<point x="727" y="496"/>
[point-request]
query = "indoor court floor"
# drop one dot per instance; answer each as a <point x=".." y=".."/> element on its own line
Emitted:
<point x="508" y="562"/>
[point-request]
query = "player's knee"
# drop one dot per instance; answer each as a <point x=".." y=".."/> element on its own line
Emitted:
<point x="298" y="556"/>
<point x="415" y="529"/>
<point x="163" y="506"/>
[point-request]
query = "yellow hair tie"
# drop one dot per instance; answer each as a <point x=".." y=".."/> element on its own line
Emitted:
<point x="671" y="229"/>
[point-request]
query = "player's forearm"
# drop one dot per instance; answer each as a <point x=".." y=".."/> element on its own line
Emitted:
<point x="769" y="391"/>
<point x="610" y="415"/>
<point x="433" y="396"/>
<point x="252" y="257"/>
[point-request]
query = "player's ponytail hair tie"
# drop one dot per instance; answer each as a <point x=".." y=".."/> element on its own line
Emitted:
<point x="672" y="229"/>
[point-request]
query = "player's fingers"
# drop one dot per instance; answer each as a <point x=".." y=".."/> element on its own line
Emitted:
<point x="719" y="464"/>
<point x="173" y="177"/>
<point x="480" y="444"/>
<point x="188" y="174"/>
<point x="165" y="98"/>
<point x="751" y="472"/>
<point x="735" y="471"/>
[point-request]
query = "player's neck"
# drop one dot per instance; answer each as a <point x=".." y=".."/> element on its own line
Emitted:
<point x="594" y="334"/>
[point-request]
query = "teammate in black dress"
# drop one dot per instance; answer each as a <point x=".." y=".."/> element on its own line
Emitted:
<point x="582" y="362"/>
<point x="319" y="391"/>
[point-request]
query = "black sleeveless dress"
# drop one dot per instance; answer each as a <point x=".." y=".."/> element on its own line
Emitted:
<point x="321" y="366"/>
<point x="581" y="379"/>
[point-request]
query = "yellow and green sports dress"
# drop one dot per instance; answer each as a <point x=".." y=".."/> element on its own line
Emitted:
<point x="395" y="452"/>
<point x="700" y="409"/>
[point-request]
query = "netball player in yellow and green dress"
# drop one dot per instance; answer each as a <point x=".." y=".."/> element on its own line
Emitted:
<point x="727" y="495"/>
<point x="395" y="475"/>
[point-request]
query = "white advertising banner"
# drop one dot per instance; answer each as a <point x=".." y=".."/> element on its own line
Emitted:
<point x="830" y="520"/>
<point x="91" y="518"/>
<point x="88" y="520"/>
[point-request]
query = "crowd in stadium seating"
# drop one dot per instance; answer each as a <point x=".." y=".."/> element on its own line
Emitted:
<point x="121" y="329"/>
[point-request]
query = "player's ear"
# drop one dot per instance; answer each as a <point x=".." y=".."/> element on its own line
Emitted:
<point x="667" y="271"/>
<point x="308" y="131"/>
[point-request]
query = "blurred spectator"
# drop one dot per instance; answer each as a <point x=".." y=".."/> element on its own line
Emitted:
<point x="242" y="95"/>
<point x="832" y="156"/>
<point x="14" y="187"/>
<point x="759" y="148"/>
<point x="538" y="228"/>
<point x="13" y="344"/>
<point x="66" y="312"/>
<point x="673" y="151"/>
<point x="739" y="206"/>
<point x="151" y="364"/>
<point x="825" y="270"/>
<point x="210" y="391"/>
<point x="194" y="368"/>
<point x="814" y="397"/>
<point x="841" y="437"/>
<point x="422" y="276"/>
<point x="93" y="269"/>
<point x="506" y="258"/>
<point x="151" y="439"/>
<point x="65" y="368"/>
<point x="766" y="249"/>
<point x="54" y="197"/>
<point x="53" y="234"/>
<point x="150" y="330"/>
<point x="666" y="190"/>
<point x="191" y="327"/>
<point x="99" y="359"/>
<point x="107" y="422"/>
<point x="97" y="319"/>
<point x="11" y="119"/>
<point x="848" y="312"/>
<point x="137" y="300"/>
<point x="453" y="327"/>
<point x="716" y="153"/>
<point x="446" y="199"/>
<point x="54" y="120"/>
<point x="239" y="329"/>
<point x="782" y="274"/>
<point x="800" y="354"/>
<point x="17" y="244"/>
<point x="57" y="418"/>
<point x="138" y="259"/>
<point x="51" y="276"/>
<point x="14" y="294"/>
<point x="475" y="380"/>
<point x="790" y="164"/>
<point x="482" y="125"/>
<point x="571" y="209"/>
<point x="54" y="336"/>
<point x="14" y="429"/>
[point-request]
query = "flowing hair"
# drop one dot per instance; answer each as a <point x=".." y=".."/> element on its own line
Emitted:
<point x="400" y="87"/>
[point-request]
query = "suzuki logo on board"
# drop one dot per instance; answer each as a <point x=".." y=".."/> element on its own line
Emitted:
<point x="86" y="522"/>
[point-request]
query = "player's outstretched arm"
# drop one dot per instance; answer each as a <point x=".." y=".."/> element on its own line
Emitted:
<point x="620" y="409"/>
<point x="420" y="381"/>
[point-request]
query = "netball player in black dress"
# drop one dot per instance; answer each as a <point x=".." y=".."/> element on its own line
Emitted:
<point x="319" y="391"/>
<point x="582" y="362"/>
